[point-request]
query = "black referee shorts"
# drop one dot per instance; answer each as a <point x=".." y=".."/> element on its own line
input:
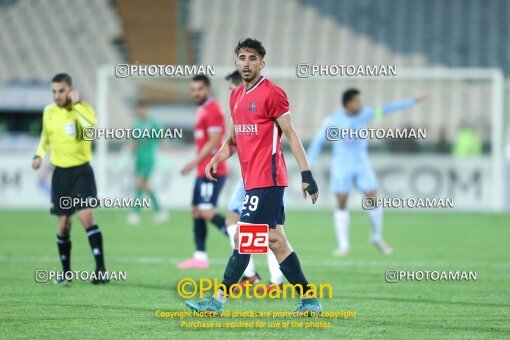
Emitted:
<point x="70" y="184"/>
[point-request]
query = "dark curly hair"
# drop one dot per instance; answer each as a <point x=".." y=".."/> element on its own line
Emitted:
<point x="252" y="44"/>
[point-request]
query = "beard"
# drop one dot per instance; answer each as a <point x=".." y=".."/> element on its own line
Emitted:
<point x="249" y="78"/>
<point x="200" y="100"/>
<point x="63" y="104"/>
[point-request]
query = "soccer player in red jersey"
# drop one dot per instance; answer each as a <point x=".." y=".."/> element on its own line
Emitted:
<point x="260" y="115"/>
<point x="208" y="131"/>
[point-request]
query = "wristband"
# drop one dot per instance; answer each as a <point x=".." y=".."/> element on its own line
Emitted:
<point x="306" y="177"/>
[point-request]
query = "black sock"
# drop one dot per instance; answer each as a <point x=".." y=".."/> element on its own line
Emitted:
<point x="219" y="222"/>
<point x="200" y="231"/>
<point x="291" y="268"/>
<point x="236" y="266"/>
<point x="64" y="250"/>
<point x="96" y="243"/>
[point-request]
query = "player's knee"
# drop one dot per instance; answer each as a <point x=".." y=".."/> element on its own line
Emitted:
<point x="61" y="225"/>
<point x="208" y="214"/>
<point x="236" y="239"/>
<point x="275" y="242"/>
<point x="195" y="212"/>
<point x="142" y="184"/>
<point x="64" y="226"/>
<point x="86" y="218"/>
<point x="231" y="218"/>
<point x="342" y="201"/>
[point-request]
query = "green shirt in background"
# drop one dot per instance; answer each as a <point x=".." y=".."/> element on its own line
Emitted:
<point x="146" y="148"/>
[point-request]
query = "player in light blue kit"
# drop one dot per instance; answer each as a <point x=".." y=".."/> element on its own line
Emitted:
<point x="350" y="164"/>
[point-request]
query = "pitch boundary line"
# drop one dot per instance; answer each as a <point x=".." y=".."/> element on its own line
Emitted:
<point x="306" y="262"/>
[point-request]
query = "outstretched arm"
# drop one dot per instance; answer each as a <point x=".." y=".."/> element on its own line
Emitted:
<point x="397" y="106"/>
<point x="308" y="183"/>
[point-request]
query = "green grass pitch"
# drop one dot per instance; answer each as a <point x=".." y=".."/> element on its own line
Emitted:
<point x="149" y="253"/>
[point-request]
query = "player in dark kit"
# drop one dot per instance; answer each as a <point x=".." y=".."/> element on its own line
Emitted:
<point x="260" y="115"/>
<point x="73" y="178"/>
<point x="208" y="131"/>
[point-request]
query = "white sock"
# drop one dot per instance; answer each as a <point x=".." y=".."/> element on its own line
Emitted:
<point x="231" y="231"/>
<point x="200" y="255"/>
<point x="220" y="296"/>
<point x="341" y="220"/>
<point x="376" y="219"/>
<point x="250" y="269"/>
<point x="274" y="268"/>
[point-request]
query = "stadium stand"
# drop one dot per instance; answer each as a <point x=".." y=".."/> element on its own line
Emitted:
<point x="307" y="28"/>
<point x="305" y="31"/>
<point x="46" y="39"/>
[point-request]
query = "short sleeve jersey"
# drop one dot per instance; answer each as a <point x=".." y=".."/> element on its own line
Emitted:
<point x="209" y="118"/>
<point x="258" y="137"/>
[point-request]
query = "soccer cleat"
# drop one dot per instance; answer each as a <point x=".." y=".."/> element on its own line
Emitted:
<point x="308" y="305"/>
<point x="133" y="218"/>
<point x="245" y="281"/>
<point x="383" y="247"/>
<point x="193" y="263"/>
<point x="100" y="279"/>
<point x="271" y="287"/>
<point x="207" y="304"/>
<point x="161" y="217"/>
<point x="339" y="252"/>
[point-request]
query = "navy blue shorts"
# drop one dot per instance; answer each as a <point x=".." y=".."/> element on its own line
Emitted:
<point x="264" y="206"/>
<point x="206" y="192"/>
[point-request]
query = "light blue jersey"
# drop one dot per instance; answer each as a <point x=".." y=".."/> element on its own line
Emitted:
<point x="237" y="199"/>
<point x="350" y="164"/>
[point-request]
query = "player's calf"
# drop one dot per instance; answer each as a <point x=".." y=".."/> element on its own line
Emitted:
<point x="278" y="244"/>
<point x="218" y="220"/>
<point x="86" y="217"/>
<point x="199" y="258"/>
<point x="96" y="244"/>
<point x="64" y="242"/>
<point x="291" y="268"/>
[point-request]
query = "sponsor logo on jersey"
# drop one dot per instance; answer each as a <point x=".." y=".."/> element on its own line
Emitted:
<point x="246" y="129"/>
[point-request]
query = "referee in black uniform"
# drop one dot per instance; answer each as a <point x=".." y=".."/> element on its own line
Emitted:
<point x="73" y="183"/>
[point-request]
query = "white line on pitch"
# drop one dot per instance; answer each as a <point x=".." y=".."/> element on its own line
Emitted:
<point x="320" y="263"/>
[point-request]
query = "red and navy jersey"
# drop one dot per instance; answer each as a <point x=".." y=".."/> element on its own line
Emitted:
<point x="258" y="137"/>
<point x="209" y="118"/>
